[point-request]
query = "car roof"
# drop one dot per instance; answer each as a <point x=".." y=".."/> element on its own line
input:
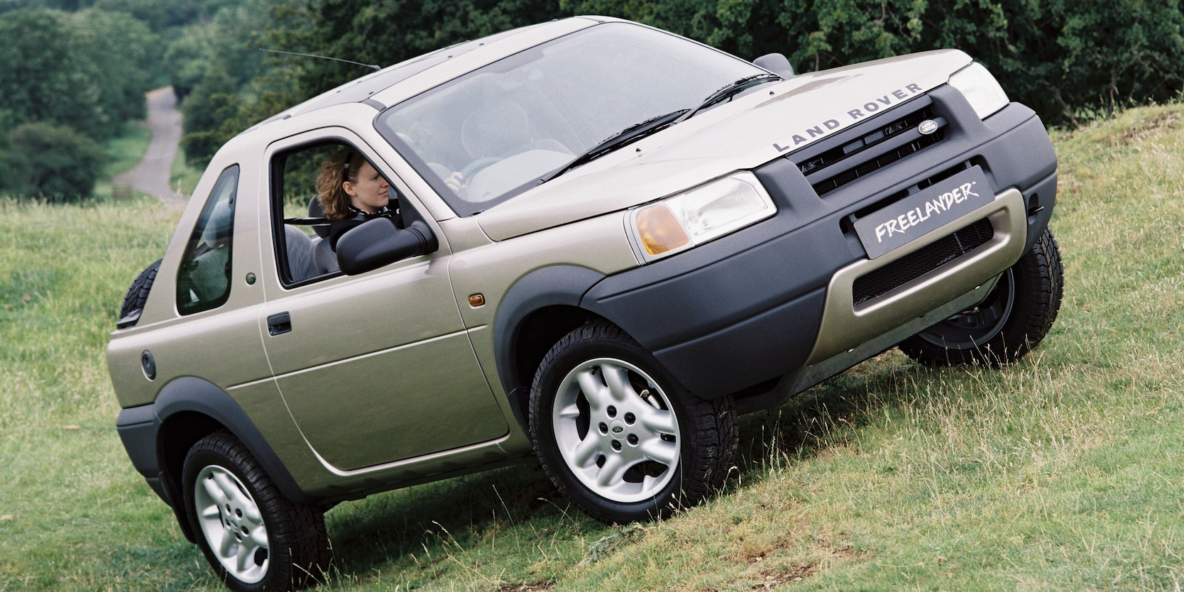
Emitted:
<point x="362" y="89"/>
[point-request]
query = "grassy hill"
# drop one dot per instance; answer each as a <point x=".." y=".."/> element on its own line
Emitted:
<point x="1062" y="472"/>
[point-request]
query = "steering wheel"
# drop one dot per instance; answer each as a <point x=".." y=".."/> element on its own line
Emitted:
<point x="476" y="166"/>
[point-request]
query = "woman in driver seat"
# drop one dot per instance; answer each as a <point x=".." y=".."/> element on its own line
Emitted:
<point x="352" y="191"/>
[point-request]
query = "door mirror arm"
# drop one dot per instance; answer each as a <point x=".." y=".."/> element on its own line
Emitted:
<point x="379" y="242"/>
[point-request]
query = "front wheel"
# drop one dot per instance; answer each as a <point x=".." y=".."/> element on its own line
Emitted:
<point x="253" y="537"/>
<point x="618" y="435"/>
<point x="1012" y="320"/>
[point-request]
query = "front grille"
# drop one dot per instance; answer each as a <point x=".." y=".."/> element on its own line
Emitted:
<point x="915" y="265"/>
<point x="925" y="183"/>
<point x="868" y="152"/>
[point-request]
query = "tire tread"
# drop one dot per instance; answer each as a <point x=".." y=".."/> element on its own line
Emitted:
<point x="298" y="529"/>
<point x="1039" y="291"/>
<point x="137" y="294"/>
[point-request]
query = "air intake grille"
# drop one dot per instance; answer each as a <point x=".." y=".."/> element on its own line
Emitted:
<point x="869" y="152"/>
<point x="915" y="265"/>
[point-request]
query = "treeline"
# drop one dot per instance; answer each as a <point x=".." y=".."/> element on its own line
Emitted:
<point x="216" y="69"/>
<point x="1069" y="60"/>
<point x="69" y="81"/>
<point x="73" y="73"/>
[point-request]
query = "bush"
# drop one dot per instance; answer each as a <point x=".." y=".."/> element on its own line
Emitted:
<point x="51" y="162"/>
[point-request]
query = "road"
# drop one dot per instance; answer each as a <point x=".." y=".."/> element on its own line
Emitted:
<point x="153" y="173"/>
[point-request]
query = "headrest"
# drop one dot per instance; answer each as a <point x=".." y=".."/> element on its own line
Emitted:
<point x="316" y="211"/>
<point x="499" y="128"/>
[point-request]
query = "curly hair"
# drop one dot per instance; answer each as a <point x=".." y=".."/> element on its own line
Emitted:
<point x="334" y="173"/>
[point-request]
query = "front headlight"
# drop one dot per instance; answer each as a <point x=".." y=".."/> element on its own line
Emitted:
<point x="980" y="89"/>
<point x="699" y="215"/>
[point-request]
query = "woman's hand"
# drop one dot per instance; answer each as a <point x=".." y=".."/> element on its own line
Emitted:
<point x="456" y="182"/>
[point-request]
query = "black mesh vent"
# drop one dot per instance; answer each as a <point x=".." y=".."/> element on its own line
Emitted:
<point x="915" y="265"/>
<point x="846" y="158"/>
<point x="906" y="192"/>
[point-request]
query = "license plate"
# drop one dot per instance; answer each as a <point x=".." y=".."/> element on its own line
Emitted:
<point x="923" y="212"/>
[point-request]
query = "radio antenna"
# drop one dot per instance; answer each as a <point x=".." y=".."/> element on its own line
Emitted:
<point x="309" y="55"/>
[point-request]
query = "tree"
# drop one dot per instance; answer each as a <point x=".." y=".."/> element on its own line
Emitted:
<point x="124" y="53"/>
<point x="157" y="14"/>
<point x="87" y="70"/>
<point x="189" y="55"/>
<point x="43" y="78"/>
<point x="386" y="33"/>
<point x="54" y="162"/>
<point x="213" y="103"/>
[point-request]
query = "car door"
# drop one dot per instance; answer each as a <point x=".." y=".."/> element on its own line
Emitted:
<point x="377" y="367"/>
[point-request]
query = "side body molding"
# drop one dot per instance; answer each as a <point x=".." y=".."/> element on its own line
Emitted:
<point x="559" y="285"/>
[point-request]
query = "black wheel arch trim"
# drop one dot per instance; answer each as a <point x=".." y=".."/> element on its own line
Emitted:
<point x="557" y="285"/>
<point x="143" y="432"/>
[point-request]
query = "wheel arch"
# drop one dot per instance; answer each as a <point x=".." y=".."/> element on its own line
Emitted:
<point x="538" y="310"/>
<point x="191" y="408"/>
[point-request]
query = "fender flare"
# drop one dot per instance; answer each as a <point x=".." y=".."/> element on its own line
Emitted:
<point x="558" y="285"/>
<point x="189" y="394"/>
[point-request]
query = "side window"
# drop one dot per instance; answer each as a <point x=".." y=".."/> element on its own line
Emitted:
<point x="302" y="225"/>
<point x="203" y="281"/>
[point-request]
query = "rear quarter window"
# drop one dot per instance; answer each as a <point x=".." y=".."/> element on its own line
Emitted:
<point x="203" y="282"/>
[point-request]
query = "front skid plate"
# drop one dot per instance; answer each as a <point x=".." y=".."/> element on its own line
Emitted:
<point x="808" y="376"/>
<point x="845" y="326"/>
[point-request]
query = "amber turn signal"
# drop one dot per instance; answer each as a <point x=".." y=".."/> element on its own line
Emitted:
<point x="659" y="230"/>
<point x="476" y="300"/>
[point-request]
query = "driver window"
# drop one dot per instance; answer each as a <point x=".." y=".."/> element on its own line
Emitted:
<point x="310" y="206"/>
<point x="203" y="281"/>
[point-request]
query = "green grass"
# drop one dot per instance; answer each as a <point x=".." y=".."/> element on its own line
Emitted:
<point x="185" y="176"/>
<point x="1061" y="472"/>
<point x="124" y="152"/>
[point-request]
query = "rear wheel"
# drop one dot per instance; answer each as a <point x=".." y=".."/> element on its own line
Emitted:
<point x="1012" y="320"/>
<point x="619" y="435"/>
<point x="253" y="537"/>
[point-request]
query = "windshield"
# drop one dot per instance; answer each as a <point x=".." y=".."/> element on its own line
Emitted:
<point x="493" y="133"/>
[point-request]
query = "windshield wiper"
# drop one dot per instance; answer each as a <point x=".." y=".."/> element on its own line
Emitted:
<point x="638" y="131"/>
<point x="626" y="136"/>
<point x="730" y="91"/>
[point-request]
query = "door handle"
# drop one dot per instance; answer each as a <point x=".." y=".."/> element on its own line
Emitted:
<point x="278" y="324"/>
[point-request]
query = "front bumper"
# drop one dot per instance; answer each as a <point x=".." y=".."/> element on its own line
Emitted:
<point x="745" y="310"/>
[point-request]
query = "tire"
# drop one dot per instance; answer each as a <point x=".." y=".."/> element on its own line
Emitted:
<point x="277" y="544"/>
<point x="642" y="446"/>
<point x="1013" y="319"/>
<point x="137" y="295"/>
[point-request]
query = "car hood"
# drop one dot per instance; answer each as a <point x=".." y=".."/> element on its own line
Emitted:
<point x="771" y="122"/>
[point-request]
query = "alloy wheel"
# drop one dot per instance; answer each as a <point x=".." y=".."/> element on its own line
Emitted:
<point x="232" y="524"/>
<point x="616" y="430"/>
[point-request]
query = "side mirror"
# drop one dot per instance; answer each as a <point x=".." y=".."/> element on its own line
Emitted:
<point x="775" y="63"/>
<point x="378" y="242"/>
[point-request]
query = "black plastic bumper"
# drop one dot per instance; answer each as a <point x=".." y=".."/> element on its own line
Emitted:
<point x="745" y="309"/>
<point x="137" y="428"/>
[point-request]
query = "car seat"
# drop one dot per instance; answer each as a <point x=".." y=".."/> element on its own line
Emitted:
<point x="501" y="129"/>
<point x="300" y="254"/>
<point x="498" y="129"/>
<point x="323" y="257"/>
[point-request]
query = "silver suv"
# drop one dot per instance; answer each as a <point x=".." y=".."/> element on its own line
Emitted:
<point x="603" y="243"/>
